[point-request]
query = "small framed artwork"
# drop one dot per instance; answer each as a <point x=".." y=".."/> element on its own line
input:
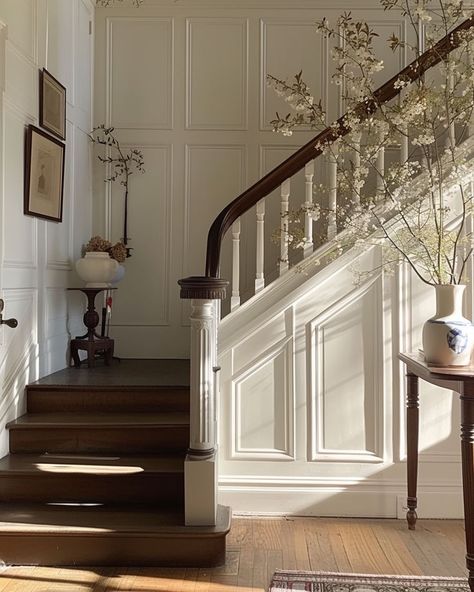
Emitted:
<point x="44" y="175"/>
<point x="52" y="105"/>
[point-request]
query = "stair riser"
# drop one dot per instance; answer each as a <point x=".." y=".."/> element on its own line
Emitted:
<point x="114" y="549"/>
<point x="54" y="401"/>
<point x="111" y="440"/>
<point x="164" y="489"/>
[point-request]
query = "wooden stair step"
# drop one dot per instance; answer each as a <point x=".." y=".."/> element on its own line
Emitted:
<point x="92" y="479"/>
<point x="117" y="433"/>
<point x="97" y="535"/>
<point x="106" y="398"/>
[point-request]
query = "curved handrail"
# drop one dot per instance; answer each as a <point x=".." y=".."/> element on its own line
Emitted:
<point x="308" y="152"/>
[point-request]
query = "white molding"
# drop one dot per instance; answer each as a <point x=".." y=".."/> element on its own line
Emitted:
<point x="244" y="24"/>
<point x="315" y="348"/>
<point x="323" y="81"/>
<point x="285" y="347"/>
<point x="163" y="321"/>
<point x="134" y="125"/>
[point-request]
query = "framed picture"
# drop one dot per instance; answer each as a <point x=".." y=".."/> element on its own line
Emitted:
<point x="44" y="175"/>
<point x="52" y="105"/>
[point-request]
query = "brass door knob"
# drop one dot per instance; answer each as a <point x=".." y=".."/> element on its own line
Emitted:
<point x="10" y="322"/>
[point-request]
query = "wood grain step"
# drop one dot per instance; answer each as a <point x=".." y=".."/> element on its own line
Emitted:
<point x="115" y="433"/>
<point x="107" y="398"/>
<point x="92" y="479"/>
<point x="85" y="535"/>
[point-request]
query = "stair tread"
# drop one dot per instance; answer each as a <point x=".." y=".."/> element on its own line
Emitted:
<point x="61" y="464"/>
<point x="97" y="419"/>
<point x="99" y="520"/>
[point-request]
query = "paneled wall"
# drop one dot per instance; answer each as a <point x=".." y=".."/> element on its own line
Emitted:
<point x="185" y="83"/>
<point x="36" y="255"/>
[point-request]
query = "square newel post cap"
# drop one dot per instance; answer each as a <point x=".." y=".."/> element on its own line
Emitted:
<point x="203" y="287"/>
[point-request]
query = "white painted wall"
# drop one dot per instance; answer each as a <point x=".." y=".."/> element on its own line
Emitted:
<point x="36" y="255"/>
<point x="311" y="405"/>
<point x="185" y="82"/>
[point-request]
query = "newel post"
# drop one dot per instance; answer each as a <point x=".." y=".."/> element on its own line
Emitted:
<point x="200" y="467"/>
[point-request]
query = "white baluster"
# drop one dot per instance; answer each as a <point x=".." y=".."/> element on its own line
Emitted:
<point x="356" y="164"/>
<point x="451" y="135"/>
<point x="284" y="237"/>
<point x="380" y="190"/>
<point x="470" y="126"/>
<point x="235" y="298"/>
<point x="308" y="204"/>
<point x="260" y="263"/>
<point x="332" y="202"/>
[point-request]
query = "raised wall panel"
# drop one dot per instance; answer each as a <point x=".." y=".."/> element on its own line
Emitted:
<point x="149" y="227"/>
<point x="217" y="73"/>
<point x="19" y="231"/>
<point x="20" y="15"/>
<point x="82" y="71"/>
<point x="346" y="389"/>
<point x="60" y="44"/>
<point x="21" y="81"/>
<point x="82" y="190"/>
<point x="214" y="175"/>
<point x="262" y="421"/>
<point x="140" y="73"/>
<point x="287" y="47"/>
<point x="58" y="236"/>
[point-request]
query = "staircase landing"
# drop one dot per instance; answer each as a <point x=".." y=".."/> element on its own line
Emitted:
<point x="95" y="474"/>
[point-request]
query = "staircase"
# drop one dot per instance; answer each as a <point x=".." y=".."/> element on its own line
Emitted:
<point x="95" y="474"/>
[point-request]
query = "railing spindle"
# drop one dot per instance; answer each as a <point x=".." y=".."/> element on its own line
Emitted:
<point x="380" y="190"/>
<point x="235" y="298"/>
<point x="308" y="204"/>
<point x="260" y="263"/>
<point x="356" y="164"/>
<point x="284" y="237"/>
<point x="332" y="204"/>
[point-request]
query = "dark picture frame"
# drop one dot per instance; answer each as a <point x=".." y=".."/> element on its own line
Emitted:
<point x="52" y="111"/>
<point x="44" y="175"/>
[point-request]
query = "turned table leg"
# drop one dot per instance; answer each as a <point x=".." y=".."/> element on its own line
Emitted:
<point x="412" y="448"/>
<point x="467" y="451"/>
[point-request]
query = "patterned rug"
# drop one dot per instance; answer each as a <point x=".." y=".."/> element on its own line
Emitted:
<point x="311" y="581"/>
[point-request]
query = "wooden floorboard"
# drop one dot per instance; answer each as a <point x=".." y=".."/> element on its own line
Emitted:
<point x="257" y="546"/>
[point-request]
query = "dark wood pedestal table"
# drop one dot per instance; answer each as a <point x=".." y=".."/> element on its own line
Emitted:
<point x="91" y="342"/>
<point x="461" y="381"/>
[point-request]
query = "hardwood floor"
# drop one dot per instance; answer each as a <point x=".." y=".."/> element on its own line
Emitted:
<point x="256" y="547"/>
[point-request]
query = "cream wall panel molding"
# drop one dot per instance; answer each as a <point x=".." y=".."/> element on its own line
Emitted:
<point x="150" y="231"/>
<point x="217" y="73"/>
<point x="59" y="247"/>
<point x="262" y="426"/>
<point x="84" y="68"/>
<point x="214" y="174"/>
<point x="60" y="45"/>
<point x="286" y="47"/>
<point x="19" y="231"/>
<point x="20" y="16"/>
<point x="21" y="81"/>
<point x="349" y="394"/>
<point x="140" y="72"/>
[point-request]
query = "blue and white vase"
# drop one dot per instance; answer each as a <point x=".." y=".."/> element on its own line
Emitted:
<point x="448" y="337"/>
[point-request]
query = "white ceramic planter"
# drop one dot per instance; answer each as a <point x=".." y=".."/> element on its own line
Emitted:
<point x="97" y="269"/>
<point x="448" y="337"/>
<point x="119" y="275"/>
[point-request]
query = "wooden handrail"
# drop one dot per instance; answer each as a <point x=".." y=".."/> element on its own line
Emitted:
<point x="308" y="152"/>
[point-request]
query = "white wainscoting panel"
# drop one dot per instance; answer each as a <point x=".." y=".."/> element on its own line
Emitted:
<point x="262" y="405"/>
<point x="213" y="99"/>
<point x="345" y="353"/>
<point x="289" y="46"/>
<point x="61" y="30"/>
<point x="149" y="226"/>
<point x="140" y="60"/>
